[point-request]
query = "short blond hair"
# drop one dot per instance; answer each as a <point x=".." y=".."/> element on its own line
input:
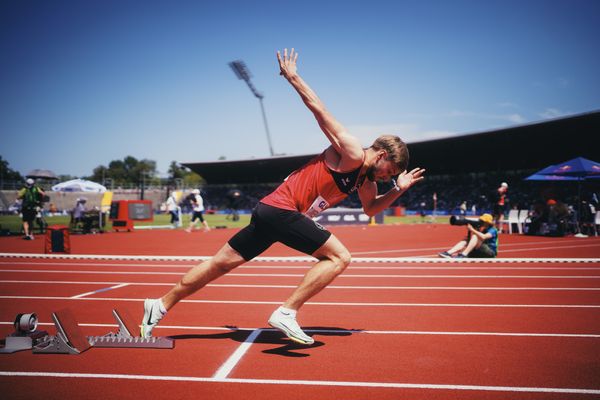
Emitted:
<point x="396" y="149"/>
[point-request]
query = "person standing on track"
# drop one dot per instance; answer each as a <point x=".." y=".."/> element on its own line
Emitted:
<point x="197" y="210"/>
<point x="286" y="214"/>
<point x="31" y="197"/>
<point x="499" y="205"/>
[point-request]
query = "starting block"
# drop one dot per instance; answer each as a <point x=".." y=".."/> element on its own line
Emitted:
<point x="129" y="335"/>
<point x="69" y="338"/>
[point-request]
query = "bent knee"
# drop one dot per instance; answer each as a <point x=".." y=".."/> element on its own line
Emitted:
<point x="341" y="260"/>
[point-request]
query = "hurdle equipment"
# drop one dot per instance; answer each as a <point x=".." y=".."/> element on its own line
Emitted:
<point x="128" y="335"/>
<point x="25" y="335"/>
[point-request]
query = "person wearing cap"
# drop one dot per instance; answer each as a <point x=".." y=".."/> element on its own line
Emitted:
<point x="31" y="200"/>
<point x="500" y="204"/>
<point x="480" y="242"/>
<point x="197" y="209"/>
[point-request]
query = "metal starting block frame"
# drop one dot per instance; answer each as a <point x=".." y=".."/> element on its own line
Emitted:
<point x="69" y="338"/>
<point x="129" y="335"/>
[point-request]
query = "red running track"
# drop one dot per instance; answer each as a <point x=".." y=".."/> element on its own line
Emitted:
<point x="387" y="330"/>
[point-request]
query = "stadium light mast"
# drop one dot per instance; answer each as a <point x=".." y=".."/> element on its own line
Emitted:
<point x="242" y="72"/>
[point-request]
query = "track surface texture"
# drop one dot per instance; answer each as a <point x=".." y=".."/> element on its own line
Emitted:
<point x="399" y="323"/>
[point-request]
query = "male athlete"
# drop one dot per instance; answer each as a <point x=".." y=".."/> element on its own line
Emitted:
<point x="286" y="214"/>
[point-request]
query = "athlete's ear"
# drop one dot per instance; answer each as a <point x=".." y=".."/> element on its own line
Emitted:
<point x="382" y="155"/>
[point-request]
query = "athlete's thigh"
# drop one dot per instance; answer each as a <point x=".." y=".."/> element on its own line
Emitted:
<point x="301" y="233"/>
<point x="332" y="248"/>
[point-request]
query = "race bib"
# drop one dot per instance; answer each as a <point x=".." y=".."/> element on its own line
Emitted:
<point x="316" y="207"/>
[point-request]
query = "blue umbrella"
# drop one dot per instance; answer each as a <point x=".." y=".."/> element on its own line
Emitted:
<point x="540" y="177"/>
<point x="579" y="167"/>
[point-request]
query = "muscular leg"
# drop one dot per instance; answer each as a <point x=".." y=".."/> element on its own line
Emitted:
<point x="199" y="276"/>
<point x="333" y="259"/>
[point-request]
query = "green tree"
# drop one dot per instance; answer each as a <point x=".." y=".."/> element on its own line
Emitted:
<point x="7" y="174"/>
<point x="187" y="177"/>
<point x="126" y="172"/>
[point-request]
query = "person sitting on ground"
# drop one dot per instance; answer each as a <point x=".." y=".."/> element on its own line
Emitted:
<point x="479" y="243"/>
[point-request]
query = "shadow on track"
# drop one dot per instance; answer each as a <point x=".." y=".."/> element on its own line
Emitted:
<point x="286" y="347"/>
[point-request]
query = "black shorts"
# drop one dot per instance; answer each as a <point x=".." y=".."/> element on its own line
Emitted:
<point x="271" y="224"/>
<point x="484" y="251"/>
<point x="29" y="214"/>
<point x="498" y="210"/>
<point x="197" y="215"/>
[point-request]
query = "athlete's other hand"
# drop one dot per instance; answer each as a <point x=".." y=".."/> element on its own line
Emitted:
<point x="287" y="64"/>
<point x="407" y="179"/>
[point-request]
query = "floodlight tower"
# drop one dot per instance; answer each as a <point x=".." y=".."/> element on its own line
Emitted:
<point x="242" y="72"/>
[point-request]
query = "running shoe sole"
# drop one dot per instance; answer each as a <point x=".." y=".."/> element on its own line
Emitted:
<point x="289" y="333"/>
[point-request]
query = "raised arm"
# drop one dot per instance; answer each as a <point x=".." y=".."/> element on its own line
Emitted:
<point x="347" y="146"/>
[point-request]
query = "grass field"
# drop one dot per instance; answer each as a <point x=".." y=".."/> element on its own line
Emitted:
<point x="13" y="224"/>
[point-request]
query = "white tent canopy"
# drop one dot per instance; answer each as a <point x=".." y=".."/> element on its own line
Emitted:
<point x="79" y="185"/>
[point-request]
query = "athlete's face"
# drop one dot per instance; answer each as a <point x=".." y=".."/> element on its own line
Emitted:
<point x="382" y="170"/>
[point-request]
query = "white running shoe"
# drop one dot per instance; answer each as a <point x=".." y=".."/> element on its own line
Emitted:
<point x="288" y="325"/>
<point x="152" y="315"/>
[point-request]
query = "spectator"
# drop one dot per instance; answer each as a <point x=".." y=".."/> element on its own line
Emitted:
<point x="499" y="204"/>
<point x="480" y="242"/>
<point x="197" y="208"/>
<point x="31" y="197"/>
<point x="79" y="210"/>
<point x="173" y="209"/>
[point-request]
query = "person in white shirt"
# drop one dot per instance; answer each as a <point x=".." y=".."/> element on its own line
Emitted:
<point x="173" y="209"/>
<point x="197" y="208"/>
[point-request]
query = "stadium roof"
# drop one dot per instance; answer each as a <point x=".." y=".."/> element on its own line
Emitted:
<point x="523" y="147"/>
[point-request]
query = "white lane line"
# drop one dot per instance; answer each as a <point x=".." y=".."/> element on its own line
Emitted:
<point x="233" y="285"/>
<point x="347" y="304"/>
<point x="351" y="331"/>
<point x="46" y="271"/>
<point x="228" y="366"/>
<point x="296" y="267"/>
<point x="303" y="259"/>
<point x="394" y="385"/>
<point x="100" y="290"/>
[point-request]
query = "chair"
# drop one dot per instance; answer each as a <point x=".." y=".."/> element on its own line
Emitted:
<point x="523" y="220"/>
<point x="513" y="218"/>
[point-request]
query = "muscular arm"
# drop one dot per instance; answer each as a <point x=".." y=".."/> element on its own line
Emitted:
<point x="374" y="203"/>
<point x="347" y="146"/>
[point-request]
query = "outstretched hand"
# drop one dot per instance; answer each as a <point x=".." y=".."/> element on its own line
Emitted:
<point x="287" y="64"/>
<point x="407" y="179"/>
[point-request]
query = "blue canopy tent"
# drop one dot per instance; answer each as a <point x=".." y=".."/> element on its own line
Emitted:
<point x="540" y="177"/>
<point x="578" y="169"/>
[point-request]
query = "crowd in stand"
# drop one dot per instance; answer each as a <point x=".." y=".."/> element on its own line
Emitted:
<point x="549" y="204"/>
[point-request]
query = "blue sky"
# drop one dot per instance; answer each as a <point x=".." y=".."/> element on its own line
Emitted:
<point x="86" y="82"/>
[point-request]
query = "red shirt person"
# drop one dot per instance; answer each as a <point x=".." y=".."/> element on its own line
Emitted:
<point x="286" y="214"/>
